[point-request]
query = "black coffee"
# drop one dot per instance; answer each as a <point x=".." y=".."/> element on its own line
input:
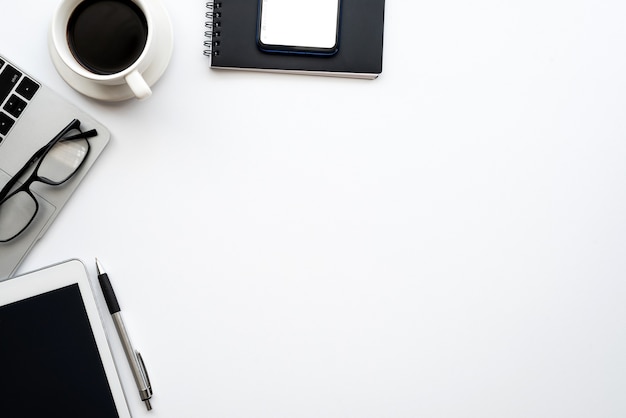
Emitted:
<point x="107" y="36"/>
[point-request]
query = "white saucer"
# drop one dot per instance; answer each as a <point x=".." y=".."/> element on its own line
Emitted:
<point x="164" y="38"/>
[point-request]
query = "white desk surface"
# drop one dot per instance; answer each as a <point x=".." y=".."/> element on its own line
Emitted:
<point x="445" y="241"/>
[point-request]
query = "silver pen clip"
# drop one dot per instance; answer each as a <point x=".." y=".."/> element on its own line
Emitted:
<point x="144" y="373"/>
<point x="147" y="393"/>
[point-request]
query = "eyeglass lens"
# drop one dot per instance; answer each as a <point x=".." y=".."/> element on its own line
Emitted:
<point x="16" y="213"/>
<point x="59" y="164"/>
<point x="62" y="161"/>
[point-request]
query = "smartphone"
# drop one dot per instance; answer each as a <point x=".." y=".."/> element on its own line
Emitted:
<point x="299" y="26"/>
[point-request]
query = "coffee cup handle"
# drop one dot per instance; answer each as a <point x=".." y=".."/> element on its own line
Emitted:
<point x="138" y="85"/>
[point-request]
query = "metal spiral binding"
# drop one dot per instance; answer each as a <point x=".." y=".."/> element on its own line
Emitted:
<point x="212" y="24"/>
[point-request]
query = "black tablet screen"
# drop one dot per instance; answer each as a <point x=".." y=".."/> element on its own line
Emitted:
<point x="49" y="361"/>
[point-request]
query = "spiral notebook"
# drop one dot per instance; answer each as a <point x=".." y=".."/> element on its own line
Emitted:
<point x="232" y="33"/>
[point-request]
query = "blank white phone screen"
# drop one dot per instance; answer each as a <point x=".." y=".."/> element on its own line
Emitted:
<point x="299" y="23"/>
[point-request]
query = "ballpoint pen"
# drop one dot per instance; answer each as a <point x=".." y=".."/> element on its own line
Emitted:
<point x="134" y="358"/>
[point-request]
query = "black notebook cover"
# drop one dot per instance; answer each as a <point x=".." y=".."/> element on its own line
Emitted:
<point x="233" y="41"/>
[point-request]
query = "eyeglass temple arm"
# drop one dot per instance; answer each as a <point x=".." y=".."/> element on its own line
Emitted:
<point x="81" y="135"/>
<point x="58" y="137"/>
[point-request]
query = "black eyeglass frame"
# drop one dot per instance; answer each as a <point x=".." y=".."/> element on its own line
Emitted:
<point x="34" y="176"/>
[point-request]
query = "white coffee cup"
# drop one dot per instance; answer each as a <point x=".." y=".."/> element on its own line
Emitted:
<point x="125" y="82"/>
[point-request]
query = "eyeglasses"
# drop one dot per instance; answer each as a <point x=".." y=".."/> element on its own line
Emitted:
<point x="57" y="162"/>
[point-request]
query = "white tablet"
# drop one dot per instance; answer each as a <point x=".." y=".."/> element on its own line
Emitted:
<point x="54" y="356"/>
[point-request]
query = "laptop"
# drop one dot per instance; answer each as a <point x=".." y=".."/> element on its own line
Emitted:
<point x="31" y="114"/>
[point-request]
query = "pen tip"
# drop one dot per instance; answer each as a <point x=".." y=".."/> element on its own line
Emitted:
<point x="99" y="267"/>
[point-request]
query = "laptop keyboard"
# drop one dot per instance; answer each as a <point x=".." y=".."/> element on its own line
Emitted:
<point x="16" y="91"/>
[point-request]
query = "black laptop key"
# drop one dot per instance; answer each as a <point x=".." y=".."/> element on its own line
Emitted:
<point x="15" y="106"/>
<point x="5" y="123"/>
<point x="27" y="88"/>
<point x="8" y="79"/>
